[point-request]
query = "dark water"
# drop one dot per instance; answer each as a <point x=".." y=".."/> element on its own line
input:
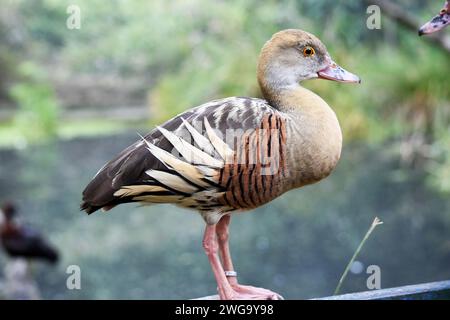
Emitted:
<point x="298" y="245"/>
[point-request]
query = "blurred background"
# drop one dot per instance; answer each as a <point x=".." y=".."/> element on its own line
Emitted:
<point x="72" y="99"/>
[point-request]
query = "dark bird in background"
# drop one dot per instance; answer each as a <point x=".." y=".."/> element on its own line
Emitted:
<point x="21" y="241"/>
<point x="438" y="22"/>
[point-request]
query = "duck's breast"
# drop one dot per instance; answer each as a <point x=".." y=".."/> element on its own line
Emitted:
<point x="314" y="144"/>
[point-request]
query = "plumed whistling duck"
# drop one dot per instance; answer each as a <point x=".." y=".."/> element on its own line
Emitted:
<point x="438" y="22"/>
<point x="20" y="241"/>
<point x="235" y="154"/>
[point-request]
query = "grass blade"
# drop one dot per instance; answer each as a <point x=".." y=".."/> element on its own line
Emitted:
<point x="375" y="223"/>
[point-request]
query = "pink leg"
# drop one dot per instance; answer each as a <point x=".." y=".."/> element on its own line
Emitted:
<point x="211" y="247"/>
<point x="244" y="292"/>
<point x="224" y="248"/>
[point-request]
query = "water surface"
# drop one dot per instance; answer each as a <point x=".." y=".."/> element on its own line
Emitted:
<point x="298" y="245"/>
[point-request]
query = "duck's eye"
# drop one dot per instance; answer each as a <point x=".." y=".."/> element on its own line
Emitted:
<point x="308" y="51"/>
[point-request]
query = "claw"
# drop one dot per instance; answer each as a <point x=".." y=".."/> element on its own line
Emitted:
<point x="241" y="292"/>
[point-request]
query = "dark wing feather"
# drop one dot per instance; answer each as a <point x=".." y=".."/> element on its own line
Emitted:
<point x="127" y="168"/>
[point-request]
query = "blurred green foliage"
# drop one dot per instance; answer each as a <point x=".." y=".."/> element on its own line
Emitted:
<point x="37" y="115"/>
<point x="191" y="51"/>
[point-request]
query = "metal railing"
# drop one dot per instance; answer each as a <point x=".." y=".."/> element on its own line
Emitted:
<point x="426" y="291"/>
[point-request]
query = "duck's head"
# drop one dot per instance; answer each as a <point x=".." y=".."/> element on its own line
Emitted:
<point x="292" y="56"/>
<point x="438" y="22"/>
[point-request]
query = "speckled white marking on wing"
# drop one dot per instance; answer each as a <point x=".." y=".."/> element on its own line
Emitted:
<point x="190" y="152"/>
<point x="137" y="189"/>
<point x="221" y="147"/>
<point x="187" y="170"/>
<point x="172" y="181"/>
<point x="234" y="113"/>
<point x="199" y="139"/>
<point x="202" y="108"/>
<point x="158" y="199"/>
<point x="219" y="114"/>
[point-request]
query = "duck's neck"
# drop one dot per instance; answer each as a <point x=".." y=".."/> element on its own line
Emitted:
<point x="276" y="85"/>
<point x="291" y="97"/>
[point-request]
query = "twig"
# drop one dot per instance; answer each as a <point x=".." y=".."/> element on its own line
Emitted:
<point x="402" y="17"/>
<point x="375" y="223"/>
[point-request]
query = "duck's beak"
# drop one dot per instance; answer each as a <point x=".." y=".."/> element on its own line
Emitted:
<point x="438" y="22"/>
<point x="335" y="73"/>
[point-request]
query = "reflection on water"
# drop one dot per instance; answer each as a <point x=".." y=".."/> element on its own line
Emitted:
<point x="297" y="245"/>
